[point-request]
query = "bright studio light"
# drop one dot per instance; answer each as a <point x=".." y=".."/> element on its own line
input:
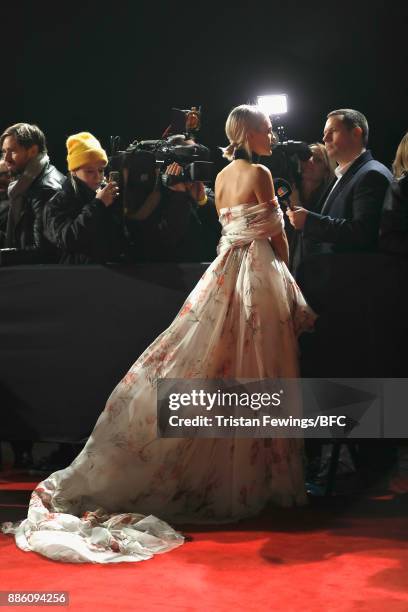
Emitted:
<point x="274" y="105"/>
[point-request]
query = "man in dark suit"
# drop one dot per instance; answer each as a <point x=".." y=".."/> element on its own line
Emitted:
<point x="350" y="210"/>
<point x="348" y="222"/>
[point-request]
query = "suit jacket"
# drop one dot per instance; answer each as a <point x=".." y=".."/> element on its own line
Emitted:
<point x="350" y="214"/>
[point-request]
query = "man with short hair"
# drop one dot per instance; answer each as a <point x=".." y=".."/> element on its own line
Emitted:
<point x="24" y="151"/>
<point x="348" y="222"/>
<point x="351" y="209"/>
<point x="33" y="182"/>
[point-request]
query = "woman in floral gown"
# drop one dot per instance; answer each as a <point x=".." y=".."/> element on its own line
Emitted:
<point x="241" y="320"/>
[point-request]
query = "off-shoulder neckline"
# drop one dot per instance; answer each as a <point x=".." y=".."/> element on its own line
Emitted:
<point x="246" y="204"/>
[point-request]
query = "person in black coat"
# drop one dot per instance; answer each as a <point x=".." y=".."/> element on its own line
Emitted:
<point x="82" y="223"/>
<point x="166" y="221"/>
<point x="350" y="210"/>
<point x="394" y="222"/>
<point x="34" y="182"/>
<point x="82" y="220"/>
<point x="317" y="174"/>
<point x="348" y="222"/>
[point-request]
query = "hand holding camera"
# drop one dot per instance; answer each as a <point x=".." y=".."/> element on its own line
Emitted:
<point x="174" y="169"/>
<point x="196" y="188"/>
<point x="108" y="193"/>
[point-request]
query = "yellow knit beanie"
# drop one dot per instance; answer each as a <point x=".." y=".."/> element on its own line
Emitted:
<point x="83" y="148"/>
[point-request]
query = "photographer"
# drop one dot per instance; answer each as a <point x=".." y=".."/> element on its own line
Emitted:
<point x="177" y="220"/>
<point x="82" y="219"/>
<point x="317" y="173"/>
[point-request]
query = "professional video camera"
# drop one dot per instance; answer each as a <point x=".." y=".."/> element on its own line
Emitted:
<point x="192" y="157"/>
<point x="176" y="145"/>
<point x="142" y="166"/>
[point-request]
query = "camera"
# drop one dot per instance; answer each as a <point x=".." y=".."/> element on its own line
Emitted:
<point x="285" y="160"/>
<point x="143" y="164"/>
<point x="192" y="157"/>
<point x="176" y="145"/>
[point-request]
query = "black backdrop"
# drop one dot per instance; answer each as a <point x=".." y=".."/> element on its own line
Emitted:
<point x="120" y="67"/>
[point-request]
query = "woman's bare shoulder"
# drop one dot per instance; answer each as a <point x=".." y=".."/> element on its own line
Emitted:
<point x="262" y="174"/>
<point x="261" y="170"/>
<point x="222" y="173"/>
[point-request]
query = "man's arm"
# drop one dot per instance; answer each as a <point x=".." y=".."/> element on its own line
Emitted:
<point x="38" y="206"/>
<point x="150" y="203"/>
<point x="361" y="231"/>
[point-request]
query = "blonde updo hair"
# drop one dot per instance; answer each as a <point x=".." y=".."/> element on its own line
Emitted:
<point x="240" y="120"/>
<point x="400" y="165"/>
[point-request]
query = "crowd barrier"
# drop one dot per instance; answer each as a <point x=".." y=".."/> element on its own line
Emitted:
<point x="68" y="334"/>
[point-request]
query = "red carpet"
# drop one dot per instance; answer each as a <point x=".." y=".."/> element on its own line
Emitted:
<point x="338" y="554"/>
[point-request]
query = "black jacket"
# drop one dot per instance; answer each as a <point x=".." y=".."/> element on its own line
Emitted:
<point x="177" y="231"/>
<point x="394" y="221"/>
<point x="299" y="245"/>
<point x="31" y="244"/>
<point x="350" y="217"/>
<point x="83" y="229"/>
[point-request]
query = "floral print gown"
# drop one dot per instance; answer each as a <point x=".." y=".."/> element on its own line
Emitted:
<point x="241" y="320"/>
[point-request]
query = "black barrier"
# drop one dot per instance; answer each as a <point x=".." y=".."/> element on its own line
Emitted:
<point x="69" y="334"/>
<point x="362" y="302"/>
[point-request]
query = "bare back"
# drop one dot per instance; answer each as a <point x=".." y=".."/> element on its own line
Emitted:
<point x="243" y="183"/>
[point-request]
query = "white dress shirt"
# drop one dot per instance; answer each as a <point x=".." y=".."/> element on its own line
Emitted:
<point x="341" y="171"/>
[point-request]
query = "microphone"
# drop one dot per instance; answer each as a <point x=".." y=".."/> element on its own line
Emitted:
<point x="282" y="190"/>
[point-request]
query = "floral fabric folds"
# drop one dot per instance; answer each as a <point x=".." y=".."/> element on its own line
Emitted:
<point x="241" y="320"/>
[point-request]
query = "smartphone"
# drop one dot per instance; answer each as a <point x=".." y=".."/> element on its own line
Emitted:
<point x="114" y="176"/>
